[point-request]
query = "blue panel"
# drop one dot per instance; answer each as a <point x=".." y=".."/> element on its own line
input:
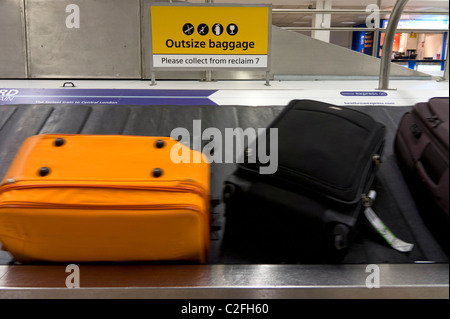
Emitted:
<point x="358" y="41"/>
<point x="105" y="96"/>
<point x="444" y="47"/>
<point x="363" y="93"/>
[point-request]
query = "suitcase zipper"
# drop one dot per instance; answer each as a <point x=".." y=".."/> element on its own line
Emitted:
<point x="100" y="207"/>
<point x="434" y="120"/>
<point x="435" y="141"/>
<point x="375" y="160"/>
<point x="190" y="189"/>
<point x="196" y="189"/>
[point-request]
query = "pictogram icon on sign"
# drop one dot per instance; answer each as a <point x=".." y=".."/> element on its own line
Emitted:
<point x="217" y="29"/>
<point x="188" y="29"/>
<point x="232" y="29"/>
<point x="203" y="29"/>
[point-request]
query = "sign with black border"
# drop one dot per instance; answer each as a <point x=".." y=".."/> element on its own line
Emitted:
<point x="210" y="36"/>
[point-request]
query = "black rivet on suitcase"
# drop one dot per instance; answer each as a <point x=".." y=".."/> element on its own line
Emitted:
<point x="44" y="171"/>
<point x="59" y="142"/>
<point x="159" y="144"/>
<point x="157" y="172"/>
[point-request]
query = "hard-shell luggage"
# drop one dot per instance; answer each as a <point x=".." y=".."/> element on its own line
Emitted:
<point x="104" y="198"/>
<point x="421" y="147"/>
<point x="307" y="210"/>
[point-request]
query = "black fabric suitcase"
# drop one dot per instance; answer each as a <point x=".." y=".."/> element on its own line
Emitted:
<point x="308" y="209"/>
<point x="422" y="149"/>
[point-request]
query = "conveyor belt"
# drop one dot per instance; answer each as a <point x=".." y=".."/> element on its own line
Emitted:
<point x="395" y="204"/>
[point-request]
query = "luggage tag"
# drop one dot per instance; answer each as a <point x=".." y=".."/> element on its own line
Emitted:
<point x="381" y="228"/>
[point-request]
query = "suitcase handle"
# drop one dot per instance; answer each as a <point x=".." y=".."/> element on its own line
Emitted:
<point x="424" y="175"/>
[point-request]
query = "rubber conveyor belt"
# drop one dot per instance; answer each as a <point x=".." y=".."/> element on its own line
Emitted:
<point x="394" y="205"/>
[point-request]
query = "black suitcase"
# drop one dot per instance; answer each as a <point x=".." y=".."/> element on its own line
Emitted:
<point x="307" y="210"/>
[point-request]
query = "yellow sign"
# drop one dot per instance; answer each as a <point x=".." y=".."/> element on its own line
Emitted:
<point x="210" y="36"/>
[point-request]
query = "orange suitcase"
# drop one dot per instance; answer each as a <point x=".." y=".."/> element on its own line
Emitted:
<point x="94" y="198"/>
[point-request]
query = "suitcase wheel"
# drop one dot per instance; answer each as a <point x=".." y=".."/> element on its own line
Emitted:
<point x="228" y="191"/>
<point x="341" y="237"/>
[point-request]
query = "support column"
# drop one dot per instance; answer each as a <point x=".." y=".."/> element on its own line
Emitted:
<point x="208" y="74"/>
<point x="322" y="21"/>
<point x="385" y="65"/>
<point x="446" y="66"/>
<point x="376" y="34"/>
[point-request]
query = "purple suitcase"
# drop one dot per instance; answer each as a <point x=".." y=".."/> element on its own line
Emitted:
<point x="421" y="147"/>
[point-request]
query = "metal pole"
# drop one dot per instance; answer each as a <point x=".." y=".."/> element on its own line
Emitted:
<point x="365" y="29"/>
<point x="208" y="76"/>
<point x="376" y="34"/>
<point x="356" y="12"/>
<point x="267" y="78"/>
<point x="445" y="77"/>
<point x="376" y="40"/>
<point x="208" y="73"/>
<point x="385" y="66"/>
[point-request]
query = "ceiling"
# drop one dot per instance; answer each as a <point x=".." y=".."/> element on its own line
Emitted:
<point x="339" y="20"/>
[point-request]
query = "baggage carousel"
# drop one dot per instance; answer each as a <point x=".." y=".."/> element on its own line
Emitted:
<point x="421" y="273"/>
